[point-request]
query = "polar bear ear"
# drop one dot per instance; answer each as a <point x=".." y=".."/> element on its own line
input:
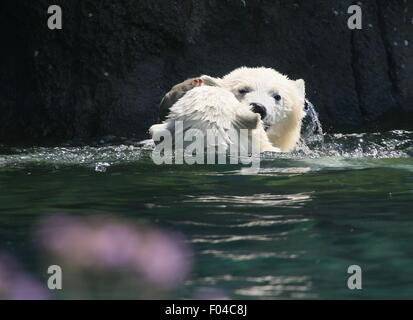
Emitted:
<point x="213" y="82"/>
<point x="300" y="83"/>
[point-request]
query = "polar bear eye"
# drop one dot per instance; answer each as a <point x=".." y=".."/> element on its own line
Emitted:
<point x="277" y="97"/>
<point x="243" y="91"/>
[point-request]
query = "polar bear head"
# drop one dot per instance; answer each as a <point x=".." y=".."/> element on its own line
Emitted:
<point x="278" y="100"/>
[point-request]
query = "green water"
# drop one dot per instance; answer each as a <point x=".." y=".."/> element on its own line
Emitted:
<point x="290" y="231"/>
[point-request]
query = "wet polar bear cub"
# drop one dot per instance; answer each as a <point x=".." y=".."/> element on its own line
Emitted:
<point x="261" y="100"/>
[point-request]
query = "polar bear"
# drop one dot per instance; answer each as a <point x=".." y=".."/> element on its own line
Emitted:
<point x="210" y="109"/>
<point x="310" y="128"/>
<point x="250" y="98"/>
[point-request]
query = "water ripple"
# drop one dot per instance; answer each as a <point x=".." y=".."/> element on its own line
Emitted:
<point x="251" y="256"/>
<point x="231" y="238"/>
<point x="263" y="200"/>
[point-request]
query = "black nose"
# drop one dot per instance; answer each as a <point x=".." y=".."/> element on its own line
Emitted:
<point x="260" y="109"/>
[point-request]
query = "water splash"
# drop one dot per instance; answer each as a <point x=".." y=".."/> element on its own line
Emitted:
<point x="393" y="144"/>
<point x="327" y="148"/>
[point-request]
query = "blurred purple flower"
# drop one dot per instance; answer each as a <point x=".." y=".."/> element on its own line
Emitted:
<point x="26" y="288"/>
<point x="17" y="285"/>
<point x="164" y="259"/>
<point x="159" y="258"/>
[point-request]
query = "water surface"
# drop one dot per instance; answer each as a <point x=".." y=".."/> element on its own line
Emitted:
<point x="290" y="231"/>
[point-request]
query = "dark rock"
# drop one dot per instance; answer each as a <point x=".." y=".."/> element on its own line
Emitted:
<point x="107" y="70"/>
<point x="396" y="20"/>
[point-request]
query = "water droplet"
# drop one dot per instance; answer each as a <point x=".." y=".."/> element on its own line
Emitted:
<point x="102" y="166"/>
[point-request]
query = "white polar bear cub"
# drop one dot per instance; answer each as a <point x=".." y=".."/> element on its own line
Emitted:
<point x="259" y="99"/>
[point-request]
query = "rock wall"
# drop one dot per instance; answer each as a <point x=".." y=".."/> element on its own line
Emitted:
<point x="105" y="72"/>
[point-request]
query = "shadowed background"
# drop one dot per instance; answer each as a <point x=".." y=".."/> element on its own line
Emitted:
<point x="107" y="70"/>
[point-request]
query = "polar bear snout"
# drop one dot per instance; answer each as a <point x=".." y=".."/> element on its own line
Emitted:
<point x="260" y="109"/>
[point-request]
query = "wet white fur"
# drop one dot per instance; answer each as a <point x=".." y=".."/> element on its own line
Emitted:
<point x="283" y="117"/>
<point x="219" y="106"/>
<point x="215" y="109"/>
